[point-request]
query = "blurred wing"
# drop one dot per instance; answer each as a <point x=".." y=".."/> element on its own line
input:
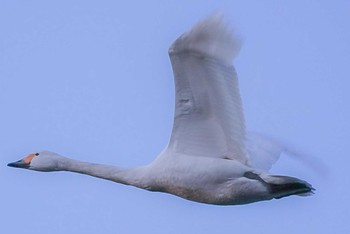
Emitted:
<point x="263" y="151"/>
<point x="208" y="117"/>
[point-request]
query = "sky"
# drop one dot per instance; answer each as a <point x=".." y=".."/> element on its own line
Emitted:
<point x="92" y="80"/>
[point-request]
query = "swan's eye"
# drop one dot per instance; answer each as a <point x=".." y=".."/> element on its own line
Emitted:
<point x="37" y="154"/>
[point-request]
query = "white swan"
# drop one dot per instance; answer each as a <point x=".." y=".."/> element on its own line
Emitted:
<point x="206" y="160"/>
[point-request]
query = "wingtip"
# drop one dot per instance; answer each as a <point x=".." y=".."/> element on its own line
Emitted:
<point x="211" y="36"/>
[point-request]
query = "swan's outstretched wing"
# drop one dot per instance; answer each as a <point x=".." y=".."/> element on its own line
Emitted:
<point x="208" y="117"/>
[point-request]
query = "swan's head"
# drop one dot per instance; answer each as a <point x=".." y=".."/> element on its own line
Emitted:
<point x="40" y="161"/>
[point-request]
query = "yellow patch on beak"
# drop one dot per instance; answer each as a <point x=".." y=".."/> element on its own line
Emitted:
<point x="29" y="158"/>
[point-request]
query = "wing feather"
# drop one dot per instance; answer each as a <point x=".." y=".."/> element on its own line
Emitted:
<point x="208" y="117"/>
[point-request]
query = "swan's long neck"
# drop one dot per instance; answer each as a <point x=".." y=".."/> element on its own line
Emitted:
<point x="136" y="176"/>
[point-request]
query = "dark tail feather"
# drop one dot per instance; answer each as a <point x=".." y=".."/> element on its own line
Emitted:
<point x="283" y="186"/>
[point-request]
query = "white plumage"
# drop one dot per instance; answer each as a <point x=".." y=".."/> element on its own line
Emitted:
<point x="209" y="158"/>
<point x="208" y="117"/>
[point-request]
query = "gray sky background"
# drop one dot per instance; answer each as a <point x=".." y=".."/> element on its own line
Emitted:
<point x="92" y="80"/>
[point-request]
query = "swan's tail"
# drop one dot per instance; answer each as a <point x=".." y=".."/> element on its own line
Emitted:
<point x="283" y="186"/>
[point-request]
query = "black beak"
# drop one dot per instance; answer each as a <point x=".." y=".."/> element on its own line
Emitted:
<point x="19" y="164"/>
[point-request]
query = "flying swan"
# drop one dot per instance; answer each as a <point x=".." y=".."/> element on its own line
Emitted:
<point x="210" y="158"/>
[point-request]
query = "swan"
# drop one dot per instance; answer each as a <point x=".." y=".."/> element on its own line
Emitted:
<point x="210" y="157"/>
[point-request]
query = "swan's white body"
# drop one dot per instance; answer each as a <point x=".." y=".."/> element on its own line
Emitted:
<point x="207" y="159"/>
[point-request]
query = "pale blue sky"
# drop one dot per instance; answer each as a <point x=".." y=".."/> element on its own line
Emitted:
<point x="92" y="80"/>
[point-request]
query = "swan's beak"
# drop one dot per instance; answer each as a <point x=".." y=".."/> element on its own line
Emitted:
<point x="19" y="164"/>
